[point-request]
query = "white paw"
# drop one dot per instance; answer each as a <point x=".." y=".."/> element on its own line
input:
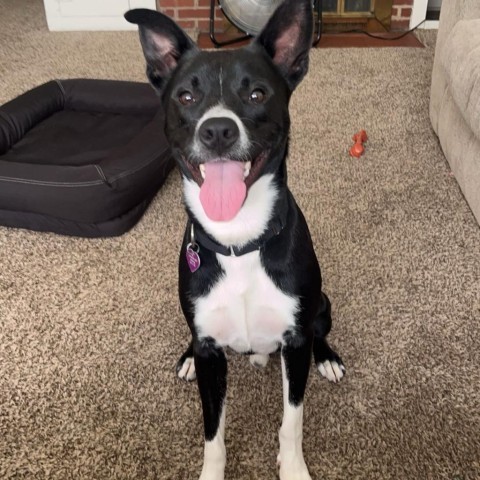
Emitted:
<point x="207" y="475"/>
<point x="332" y="370"/>
<point x="212" y="475"/>
<point x="187" y="371"/>
<point x="296" y="470"/>
<point x="214" y="459"/>
<point x="258" y="360"/>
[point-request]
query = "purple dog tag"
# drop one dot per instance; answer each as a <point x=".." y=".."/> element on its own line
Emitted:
<point x="193" y="258"/>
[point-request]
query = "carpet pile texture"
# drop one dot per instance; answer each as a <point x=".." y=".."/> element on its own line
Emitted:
<point x="90" y="330"/>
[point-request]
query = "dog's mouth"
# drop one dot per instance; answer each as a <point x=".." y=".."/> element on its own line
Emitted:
<point x="224" y="184"/>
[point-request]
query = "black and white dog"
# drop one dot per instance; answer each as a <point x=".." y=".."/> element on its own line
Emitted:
<point x="248" y="275"/>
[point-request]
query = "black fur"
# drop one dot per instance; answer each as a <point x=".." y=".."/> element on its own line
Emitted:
<point x="275" y="63"/>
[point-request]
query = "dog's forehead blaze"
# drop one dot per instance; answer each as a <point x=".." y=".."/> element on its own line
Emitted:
<point x="212" y="70"/>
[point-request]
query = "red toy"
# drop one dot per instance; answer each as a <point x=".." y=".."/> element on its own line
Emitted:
<point x="359" y="138"/>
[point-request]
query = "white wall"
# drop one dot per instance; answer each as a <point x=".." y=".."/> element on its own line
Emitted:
<point x="419" y="13"/>
<point x="91" y="14"/>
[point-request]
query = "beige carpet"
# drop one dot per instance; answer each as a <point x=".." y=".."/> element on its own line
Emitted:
<point x="90" y="330"/>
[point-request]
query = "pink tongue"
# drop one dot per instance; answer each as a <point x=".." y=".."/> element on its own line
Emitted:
<point x="223" y="190"/>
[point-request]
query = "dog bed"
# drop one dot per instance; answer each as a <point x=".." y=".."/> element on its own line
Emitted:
<point x="81" y="157"/>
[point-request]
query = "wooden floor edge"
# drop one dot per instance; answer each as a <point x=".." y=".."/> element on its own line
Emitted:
<point x="338" y="40"/>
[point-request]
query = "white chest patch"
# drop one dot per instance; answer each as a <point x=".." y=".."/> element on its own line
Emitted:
<point x="250" y="222"/>
<point x="245" y="310"/>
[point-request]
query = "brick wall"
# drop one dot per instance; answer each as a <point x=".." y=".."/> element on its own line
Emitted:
<point x="194" y="15"/>
<point x="401" y="13"/>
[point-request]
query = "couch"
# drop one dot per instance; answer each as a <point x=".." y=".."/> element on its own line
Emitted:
<point x="455" y="94"/>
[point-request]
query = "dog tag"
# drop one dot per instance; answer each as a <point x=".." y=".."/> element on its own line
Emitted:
<point x="193" y="258"/>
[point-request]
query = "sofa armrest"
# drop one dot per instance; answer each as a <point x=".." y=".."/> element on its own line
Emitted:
<point x="453" y="11"/>
<point x="460" y="59"/>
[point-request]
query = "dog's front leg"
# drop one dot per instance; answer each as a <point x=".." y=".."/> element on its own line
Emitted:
<point x="296" y="357"/>
<point x="211" y="370"/>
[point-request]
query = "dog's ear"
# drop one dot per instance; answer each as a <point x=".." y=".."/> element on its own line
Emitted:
<point x="163" y="43"/>
<point x="287" y="38"/>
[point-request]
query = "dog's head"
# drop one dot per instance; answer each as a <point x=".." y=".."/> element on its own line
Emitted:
<point x="227" y="111"/>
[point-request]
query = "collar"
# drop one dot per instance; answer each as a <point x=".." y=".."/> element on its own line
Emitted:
<point x="275" y="226"/>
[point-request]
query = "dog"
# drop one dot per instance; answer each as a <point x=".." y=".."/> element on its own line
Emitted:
<point x="249" y="279"/>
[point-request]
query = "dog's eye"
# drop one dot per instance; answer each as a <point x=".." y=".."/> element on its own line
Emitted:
<point x="186" y="98"/>
<point x="258" y="96"/>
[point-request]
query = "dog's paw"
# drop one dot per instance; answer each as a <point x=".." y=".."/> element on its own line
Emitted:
<point x="212" y="475"/>
<point x="297" y="470"/>
<point x="207" y="475"/>
<point x="332" y="370"/>
<point x="294" y="475"/>
<point x="258" y="360"/>
<point x="186" y="369"/>
<point x="328" y="362"/>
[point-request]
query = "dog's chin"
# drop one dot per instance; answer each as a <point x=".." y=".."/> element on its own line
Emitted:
<point x="252" y="169"/>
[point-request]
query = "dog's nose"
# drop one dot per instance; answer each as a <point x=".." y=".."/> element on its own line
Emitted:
<point x="218" y="133"/>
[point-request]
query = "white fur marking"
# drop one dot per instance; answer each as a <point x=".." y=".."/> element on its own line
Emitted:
<point x="214" y="454"/>
<point x="187" y="372"/>
<point x="249" y="223"/>
<point x="218" y="111"/>
<point x="292" y="463"/>
<point x="245" y="310"/>
<point x="258" y="360"/>
<point x="221" y="82"/>
<point x="331" y="370"/>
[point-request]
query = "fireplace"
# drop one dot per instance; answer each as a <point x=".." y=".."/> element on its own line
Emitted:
<point x="345" y="15"/>
<point x="338" y="15"/>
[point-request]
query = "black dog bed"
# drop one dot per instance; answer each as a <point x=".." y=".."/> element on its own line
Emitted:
<point x="81" y="157"/>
